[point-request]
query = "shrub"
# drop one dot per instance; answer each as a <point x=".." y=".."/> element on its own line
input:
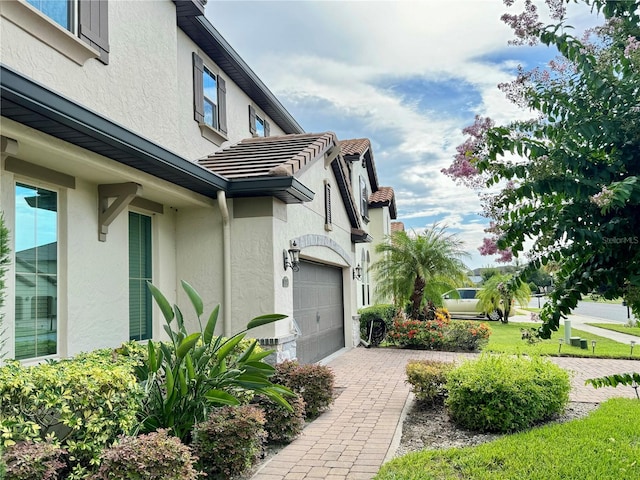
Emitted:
<point x="30" y="460"/>
<point x="282" y="425"/>
<point x="230" y="441"/>
<point x="85" y="404"/>
<point x="315" y="383"/>
<point x="428" y="334"/>
<point x="385" y="311"/>
<point x="191" y="375"/>
<point x="155" y="456"/>
<point x="500" y="393"/>
<point x="466" y="335"/>
<point x="428" y="379"/>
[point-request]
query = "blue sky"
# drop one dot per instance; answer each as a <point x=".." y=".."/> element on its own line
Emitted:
<point x="408" y="75"/>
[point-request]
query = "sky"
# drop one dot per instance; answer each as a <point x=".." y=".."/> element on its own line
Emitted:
<point x="407" y="75"/>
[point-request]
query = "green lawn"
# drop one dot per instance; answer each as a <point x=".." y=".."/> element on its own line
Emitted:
<point x="618" y="328"/>
<point x="507" y="338"/>
<point x="602" y="446"/>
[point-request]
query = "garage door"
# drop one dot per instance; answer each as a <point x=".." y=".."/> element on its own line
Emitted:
<point x="318" y="309"/>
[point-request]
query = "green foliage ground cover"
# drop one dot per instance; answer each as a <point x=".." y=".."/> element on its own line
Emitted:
<point x="618" y="328"/>
<point x="603" y="445"/>
<point x="507" y="338"/>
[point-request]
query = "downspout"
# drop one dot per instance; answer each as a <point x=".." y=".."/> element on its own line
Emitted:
<point x="226" y="263"/>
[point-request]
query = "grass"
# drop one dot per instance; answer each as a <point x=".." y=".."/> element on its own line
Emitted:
<point x="507" y="338"/>
<point x="604" y="446"/>
<point x="618" y="328"/>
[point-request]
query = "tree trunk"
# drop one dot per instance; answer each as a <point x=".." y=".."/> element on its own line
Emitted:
<point x="416" y="297"/>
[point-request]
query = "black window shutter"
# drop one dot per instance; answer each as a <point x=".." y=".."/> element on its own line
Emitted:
<point x="327" y="204"/>
<point x="222" y="105"/>
<point x="198" y="89"/>
<point x="94" y="26"/>
<point x="252" y="120"/>
<point x="267" y="131"/>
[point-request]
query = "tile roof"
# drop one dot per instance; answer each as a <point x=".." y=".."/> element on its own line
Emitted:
<point x="356" y="146"/>
<point x="383" y="197"/>
<point x="269" y="156"/>
<point x="397" y="227"/>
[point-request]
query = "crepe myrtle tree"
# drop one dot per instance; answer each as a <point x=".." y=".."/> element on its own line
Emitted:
<point x="567" y="179"/>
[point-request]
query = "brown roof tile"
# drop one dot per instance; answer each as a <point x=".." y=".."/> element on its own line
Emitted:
<point x="382" y="197"/>
<point x="269" y="156"/>
<point x="397" y="227"/>
<point x="356" y="146"/>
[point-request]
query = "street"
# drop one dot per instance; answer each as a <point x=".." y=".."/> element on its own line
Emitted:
<point x="615" y="312"/>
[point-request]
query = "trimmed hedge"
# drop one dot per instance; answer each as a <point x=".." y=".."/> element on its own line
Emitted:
<point x="385" y="311"/>
<point x="428" y="379"/>
<point x="315" y="383"/>
<point x="502" y="393"/>
<point x="282" y="425"/>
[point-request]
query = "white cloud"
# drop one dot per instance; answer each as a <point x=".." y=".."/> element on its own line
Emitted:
<point x="331" y="63"/>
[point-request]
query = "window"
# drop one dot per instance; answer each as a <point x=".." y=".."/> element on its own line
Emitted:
<point x="364" y="199"/>
<point x="86" y="19"/>
<point x="36" y="247"/>
<point x="258" y="126"/>
<point x="140" y="305"/>
<point x="209" y="96"/>
<point x="327" y="206"/>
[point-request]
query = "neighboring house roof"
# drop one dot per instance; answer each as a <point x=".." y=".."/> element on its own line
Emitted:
<point x="192" y="21"/>
<point x="271" y="158"/>
<point x="397" y="227"/>
<point x="356" y="146"/>
<point x="384" y="197"/>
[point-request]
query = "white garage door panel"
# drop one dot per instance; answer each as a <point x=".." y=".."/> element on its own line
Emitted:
<point x="318" y="309"/>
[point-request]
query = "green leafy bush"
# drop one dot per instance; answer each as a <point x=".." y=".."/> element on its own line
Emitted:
<point x="282" y="425"/>
<point x="501" y="393"/>
<point x="30" y="460"/>
<point x="155" y="456"/>
<point x="84" y="404"/>
<point x="427" y="334"/>
<point x="188" y="377"/>
<point x="466" y="335"/>
<point x="230" y="441"/>
<point x="385" y="311"/>
<point x="428" y="379"/>
<point x="315" y="383"/>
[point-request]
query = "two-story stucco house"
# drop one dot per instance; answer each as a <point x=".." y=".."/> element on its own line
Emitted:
<point x="136" y="145"/>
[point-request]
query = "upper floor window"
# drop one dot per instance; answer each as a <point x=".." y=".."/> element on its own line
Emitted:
<point x="209" y="97"/>
<point x="63" y="12"/>
<point x="86" y="19"/>
<point x="364" y="199"/>
<point x="258" y="126"/>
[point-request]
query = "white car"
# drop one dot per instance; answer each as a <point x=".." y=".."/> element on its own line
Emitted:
<point x="463" y="302"/>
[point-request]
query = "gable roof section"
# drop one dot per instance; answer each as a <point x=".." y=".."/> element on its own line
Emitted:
<point x="356" y="146"/>
<point x="192" y="22"/>
<point x="384" y="197"/>
<point x="263" y="160"/>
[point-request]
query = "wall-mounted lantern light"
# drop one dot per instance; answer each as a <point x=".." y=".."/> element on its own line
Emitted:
<point x="291" y="257"/>
<point x="357" y="272"/>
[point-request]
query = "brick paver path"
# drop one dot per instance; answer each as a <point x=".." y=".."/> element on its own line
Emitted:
<point x="352" y="439"/>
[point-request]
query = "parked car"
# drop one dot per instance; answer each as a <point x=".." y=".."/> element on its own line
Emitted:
<point x="463" y="302"/>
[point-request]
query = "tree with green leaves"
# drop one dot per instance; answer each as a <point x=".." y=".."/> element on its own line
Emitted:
<point x="418" y="266"/>
<point x="499" y="293"/>
<point x="4" y="261"/>
<point x="568" y="179"/>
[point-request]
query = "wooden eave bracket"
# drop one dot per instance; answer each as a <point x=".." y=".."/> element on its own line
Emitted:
<point x="124" y="193"/>
<point x="331" y="155"/>
<point x="8" y="146"/>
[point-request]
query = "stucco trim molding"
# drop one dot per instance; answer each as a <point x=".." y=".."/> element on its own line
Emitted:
<point x="315" y="240"/>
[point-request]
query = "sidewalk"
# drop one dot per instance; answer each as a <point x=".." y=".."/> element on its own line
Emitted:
<point x="352" y="440"/>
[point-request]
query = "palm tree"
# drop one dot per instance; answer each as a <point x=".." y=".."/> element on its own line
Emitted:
<point x="418" y="265"/>
<point x="498" y="293"/>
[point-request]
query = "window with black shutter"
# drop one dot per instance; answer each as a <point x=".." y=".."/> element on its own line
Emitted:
<point x="327" y="206"/>
<point x="209" y="96"/>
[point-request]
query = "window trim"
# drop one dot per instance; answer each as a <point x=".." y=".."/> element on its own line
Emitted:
<point x="40" y="26"/>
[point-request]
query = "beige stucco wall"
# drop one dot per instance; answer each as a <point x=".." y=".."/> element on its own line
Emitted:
<point x="147" y="86"/>
<point x="93" y="296"/>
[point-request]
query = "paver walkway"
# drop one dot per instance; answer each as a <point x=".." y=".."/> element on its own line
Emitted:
<point x="353" y="438"/>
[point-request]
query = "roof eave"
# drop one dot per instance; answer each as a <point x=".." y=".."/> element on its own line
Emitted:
<point x="288" y="189"/>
